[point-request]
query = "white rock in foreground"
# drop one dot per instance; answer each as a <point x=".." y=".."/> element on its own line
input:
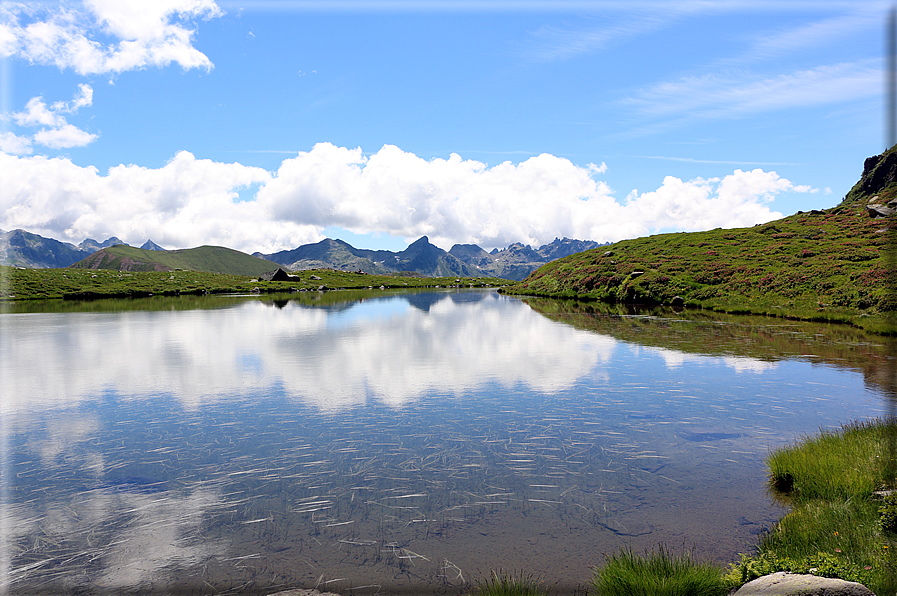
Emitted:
<point x="794" y="584"/>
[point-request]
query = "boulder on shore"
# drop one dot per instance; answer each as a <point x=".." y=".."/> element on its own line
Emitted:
<point x="795" y="584"/>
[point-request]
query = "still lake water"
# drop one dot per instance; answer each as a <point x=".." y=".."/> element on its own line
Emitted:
<point x="395" y="444"/>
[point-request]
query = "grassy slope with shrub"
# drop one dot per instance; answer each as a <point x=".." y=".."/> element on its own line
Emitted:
<point x="830" y="265"/>
<point x="35" y="284"/>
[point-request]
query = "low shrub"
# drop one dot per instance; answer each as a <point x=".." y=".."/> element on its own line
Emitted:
<point x="887" y="514"/>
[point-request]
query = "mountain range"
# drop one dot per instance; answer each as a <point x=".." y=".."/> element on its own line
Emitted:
<point x="25" y="249"/>
<point x="423" y="258"/>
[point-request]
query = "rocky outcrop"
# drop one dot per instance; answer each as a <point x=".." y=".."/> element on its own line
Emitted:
<point x="879" y="171"/>
<point x="879" y="178"/>
<point x="794" y="584"/>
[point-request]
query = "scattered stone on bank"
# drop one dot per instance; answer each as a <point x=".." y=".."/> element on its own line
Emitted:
<point x="876" y="210"/>
<point x="795" y="584"/>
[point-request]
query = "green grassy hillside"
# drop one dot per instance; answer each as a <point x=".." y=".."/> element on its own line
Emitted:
<point x="831" y="264"/>
<point x="210" y="259"/>
<point x="35" y="284"/>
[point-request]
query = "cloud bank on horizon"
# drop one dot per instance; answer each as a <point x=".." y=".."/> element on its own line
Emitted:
<point x="190" y="201"/>
<point x="193" y="200"/>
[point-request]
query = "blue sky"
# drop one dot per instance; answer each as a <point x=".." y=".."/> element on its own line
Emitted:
<point x="263" y="125"/>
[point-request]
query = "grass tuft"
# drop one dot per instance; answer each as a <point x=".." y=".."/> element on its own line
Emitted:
<point x="659" y="573"/>
<point x="845" y="464"/>
<point x="501" y="583"/>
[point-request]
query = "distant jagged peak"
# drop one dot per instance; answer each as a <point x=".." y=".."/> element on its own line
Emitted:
<point x="467" y="250"/>
<point x="92" y="245"/>
<point x="422" y="241"/>
<point x="150" y="245"/>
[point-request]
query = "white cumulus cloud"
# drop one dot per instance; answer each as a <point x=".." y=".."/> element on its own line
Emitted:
<point x="15" y="144"/>
<point x="64" y="137"/>
<point x="105" y="36"/>
<point x="56" y="133"/>
<point x="190" y="202"/>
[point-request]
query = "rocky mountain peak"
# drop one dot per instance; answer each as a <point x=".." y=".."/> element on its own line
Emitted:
<point x="150" y="245"/>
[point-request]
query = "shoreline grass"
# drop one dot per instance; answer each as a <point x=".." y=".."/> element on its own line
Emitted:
<point x="658" y="573"/>
<point x="502" y="583"/>
<point x="833" y="483"/>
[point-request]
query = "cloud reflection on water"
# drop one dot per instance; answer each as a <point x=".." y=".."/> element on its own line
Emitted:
<point x="332" y="360"/>
<point x="674" y="359"/>
<point x="181" y="444"/>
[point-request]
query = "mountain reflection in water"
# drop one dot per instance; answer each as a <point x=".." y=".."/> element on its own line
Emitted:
<point x="393" y="443"/>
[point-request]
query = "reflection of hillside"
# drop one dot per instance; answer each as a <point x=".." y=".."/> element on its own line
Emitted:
<point x="334" y="301"/>
<point x="716" y="334"/>
<point x="345" y="300"/>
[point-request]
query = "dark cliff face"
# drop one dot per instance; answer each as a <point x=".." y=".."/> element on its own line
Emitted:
<point x="879" y="172"/>
<point x="879" y="177"/>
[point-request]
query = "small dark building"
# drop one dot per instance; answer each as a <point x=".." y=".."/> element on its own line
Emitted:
<point x="278" y="275"/>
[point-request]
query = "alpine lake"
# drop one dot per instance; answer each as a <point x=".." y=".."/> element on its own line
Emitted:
<point x="396" y="443"/>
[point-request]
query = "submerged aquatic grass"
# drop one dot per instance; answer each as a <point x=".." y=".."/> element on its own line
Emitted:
<point x="657" y="573"/>
<point x="232" y="464"/>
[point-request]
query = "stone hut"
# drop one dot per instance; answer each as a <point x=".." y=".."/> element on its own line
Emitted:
<point x="278" y="275"/>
